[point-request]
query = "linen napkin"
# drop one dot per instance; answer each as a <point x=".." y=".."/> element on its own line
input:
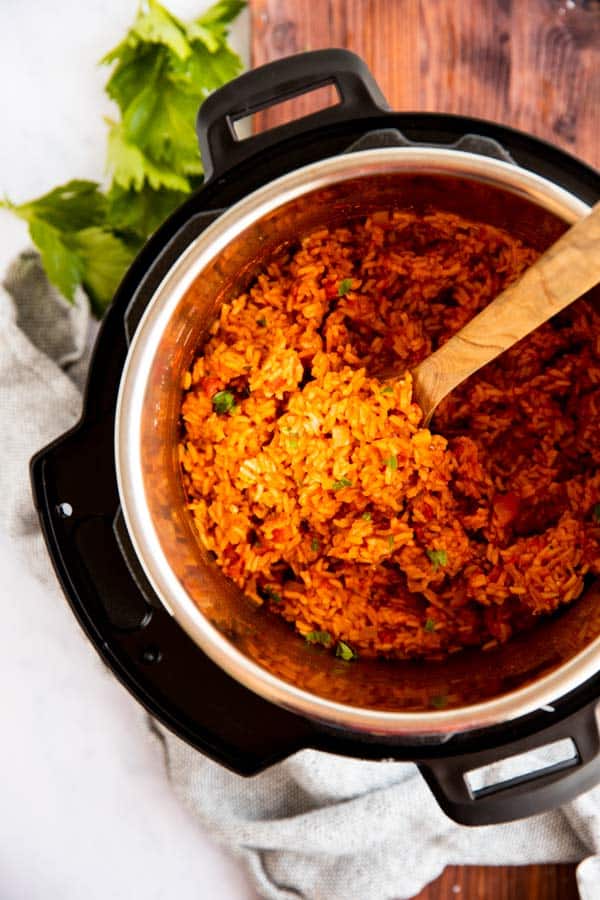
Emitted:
<point x="315" y="826"/>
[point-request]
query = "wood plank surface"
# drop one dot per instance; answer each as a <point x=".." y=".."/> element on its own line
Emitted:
<point x="531" y="64"/>
<point x="503" y="883"/>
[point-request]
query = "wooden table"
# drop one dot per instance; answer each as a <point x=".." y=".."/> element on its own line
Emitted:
<point x="532" y="64"/>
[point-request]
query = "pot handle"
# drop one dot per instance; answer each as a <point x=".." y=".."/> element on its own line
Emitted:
<point x="360" y="97"/>
<point x="526" y="794"/>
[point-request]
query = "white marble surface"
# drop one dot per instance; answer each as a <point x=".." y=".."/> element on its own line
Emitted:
<point x="86" y="810"/>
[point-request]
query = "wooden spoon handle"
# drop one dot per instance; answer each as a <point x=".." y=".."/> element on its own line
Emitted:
<point x="568" y="269"/>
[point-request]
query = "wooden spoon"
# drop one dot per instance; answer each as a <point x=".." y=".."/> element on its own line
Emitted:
<point x="566" y="271"/>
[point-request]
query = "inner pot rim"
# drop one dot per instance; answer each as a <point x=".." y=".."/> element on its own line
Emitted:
<point x="128" y="444"/>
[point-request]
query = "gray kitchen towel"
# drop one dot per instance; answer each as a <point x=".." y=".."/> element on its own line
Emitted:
<point x="315" y="826"/>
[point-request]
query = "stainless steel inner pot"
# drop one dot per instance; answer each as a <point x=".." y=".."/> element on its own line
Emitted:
<point x="258" y="649"/>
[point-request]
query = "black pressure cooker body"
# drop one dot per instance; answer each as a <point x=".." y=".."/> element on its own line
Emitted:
<point x="75" y="487"/>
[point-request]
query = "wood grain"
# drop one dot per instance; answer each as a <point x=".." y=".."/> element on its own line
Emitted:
<point x="506" y="883"/>
<point x="531" y="64"/>
<point x="566" y="271"/>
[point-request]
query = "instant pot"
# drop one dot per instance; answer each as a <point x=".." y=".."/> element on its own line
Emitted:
<point x="232" y="680"/>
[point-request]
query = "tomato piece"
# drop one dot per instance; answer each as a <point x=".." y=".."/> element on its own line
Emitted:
<point x="506" y="507"/>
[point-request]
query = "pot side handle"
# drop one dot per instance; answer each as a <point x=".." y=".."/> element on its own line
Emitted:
<point x="528" y="794"/>
<point x="273" y="83"/>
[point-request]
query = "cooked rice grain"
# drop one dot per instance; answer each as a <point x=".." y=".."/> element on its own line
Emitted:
<point x="319" y="492"/>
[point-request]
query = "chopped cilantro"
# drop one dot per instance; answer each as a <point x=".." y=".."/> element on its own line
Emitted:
<point x="366" y="516"/>
<point x="596" y="512"/>
<point x="344" y="286"/>
<point x="314" y="545"/>
<point x="345" y="652"/>
<point x="387" y="389"/>
<point x="430" y="625"/>
<point x="262" y="322"/>
<point x="392" y="462"/>
<point x="318" y="637"/>
<point x="439" y="701"/>
<point x="437" y="558"/>
<point x="223" y="402"/>
<point x="342" y="483"/>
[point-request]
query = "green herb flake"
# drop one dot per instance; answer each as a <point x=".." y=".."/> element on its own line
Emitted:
<point x="315" y="545"/>
<point x="440" y="701"/>
<point x="387" y="389"/>
<point x="342" y="483"/>
<point x="318" y="637"/>
<point x="292" y="442"/>
<point x="345" y="652"/>
<point x="430" y="625"/>
<point x="596" y="512"/>
<point x="366" y="516"/>
<point x="437" y="558"/>
<point x="391" y="540"/>
<point x="262" y="322"/>
<point x="224" y="402"/>
<point x="344" y="286"/>
<point x="392" y="462"/>
<point x="273" y="595"/>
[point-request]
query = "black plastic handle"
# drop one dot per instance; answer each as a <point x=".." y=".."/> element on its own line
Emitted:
<point x="525" y="795"/>
<point x="360" y="97"/>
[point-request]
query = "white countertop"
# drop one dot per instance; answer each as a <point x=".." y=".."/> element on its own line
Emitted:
<point x="86" y="809"/>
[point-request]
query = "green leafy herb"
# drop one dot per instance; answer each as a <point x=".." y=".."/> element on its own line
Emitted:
<point x="273" y="596"/>
<point x="391" y="540"/>
<point x="211" y="28"/>
<point x="388" y="389"/>
<point x="140" y="212"/>
<point x="318" y="637"/>
<point x="70" y="207"/>
<point x="430" y="625"/>
<point x="596" y="512"/>
<point x="223" y="402"/>
<point x="344" y="286"/>
<point x="392" y="462"/>
<point x="292" y="442"/>
<point x="439" y="701"/>
<point x="342" y="483"/>
<point x="344" y="651"/>
<point x="366" y="516"/>
<point x="437" y="558"/>
<point x="315" y="545"/>
<point x="262" y="322"/>
<point x="76" y="248"/>
<point x="162" y="70"/>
